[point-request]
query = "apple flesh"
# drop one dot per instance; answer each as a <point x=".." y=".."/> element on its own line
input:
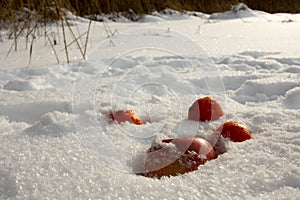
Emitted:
<point x="125" y="116"/>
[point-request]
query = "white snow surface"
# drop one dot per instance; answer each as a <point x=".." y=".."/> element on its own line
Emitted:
<point x="56" y="140"/>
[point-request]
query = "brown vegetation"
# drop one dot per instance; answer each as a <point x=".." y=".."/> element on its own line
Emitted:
<point x="206" y="6"/>
<point x="88" y="7"/>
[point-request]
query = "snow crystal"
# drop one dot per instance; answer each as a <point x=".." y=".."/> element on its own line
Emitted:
<point x="19" y="85"/>
<point x="52" y="124"/>
<point x="265" y="89"/>
<point x="8" y="185"/>
<point x="237" y="11"/>
<point x="31" y="112"/>
<point x="292" y="98"/>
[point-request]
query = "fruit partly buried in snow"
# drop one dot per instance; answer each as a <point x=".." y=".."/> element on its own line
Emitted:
<point x="125" y="116"/>
<point x="217" y="142"/>
<point x="177" y="156"/>
<point x="205" y="109"/>
<point x="235" y="131"/>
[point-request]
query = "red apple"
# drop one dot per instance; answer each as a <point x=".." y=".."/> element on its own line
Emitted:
<point x="177" y="156"/>
<point x="205" y="109"/>
<point x="125" y="116"/>
<point x="235" y="131"/>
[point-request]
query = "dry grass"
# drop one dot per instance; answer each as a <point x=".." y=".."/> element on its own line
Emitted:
<point x="31" y="19"/>
<point x="206" y="6"/>
<point x="14" y="11"/>
<point x="9" y="8"/>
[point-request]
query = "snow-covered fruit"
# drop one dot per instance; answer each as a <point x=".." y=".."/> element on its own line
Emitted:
<point x="125" y="116"/>
<point x="205" y="109"/>
<point x="217" y="142"/>
<point x="235" y="131"/>
<point x="177" y="156"/>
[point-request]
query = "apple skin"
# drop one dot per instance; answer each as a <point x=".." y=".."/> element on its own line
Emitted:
<point x="189" y="154"/>
<point x="235" y="131"/>
<point x="125" y="116"/>
<point x="205" y="109"/>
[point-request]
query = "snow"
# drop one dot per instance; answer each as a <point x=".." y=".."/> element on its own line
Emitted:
<point x="56" y="140"/>
<point x="237" y="11"/>
<point x="292" y="98"/>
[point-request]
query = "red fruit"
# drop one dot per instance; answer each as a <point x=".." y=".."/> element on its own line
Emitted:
<point x="236" y="131"/>
<point x="125" y="116"/>
<point x="205" y="109"/>
<point x="185" y="154"/>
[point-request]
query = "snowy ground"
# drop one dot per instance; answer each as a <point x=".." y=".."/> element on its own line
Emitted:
<point x="56" y="142"/>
